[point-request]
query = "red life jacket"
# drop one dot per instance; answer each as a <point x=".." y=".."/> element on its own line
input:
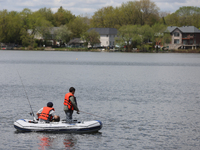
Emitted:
<point x="45" y="113"/>
<point x="67" y="102"/>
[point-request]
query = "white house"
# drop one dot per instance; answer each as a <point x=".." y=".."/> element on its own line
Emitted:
<point x="107" y="36"/>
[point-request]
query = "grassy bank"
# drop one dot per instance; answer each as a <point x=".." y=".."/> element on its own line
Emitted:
<point x="99" y="50"/>
<point x="53" y="49"/>
<point x="185" y="51"/>
<point x="76" y="49"/>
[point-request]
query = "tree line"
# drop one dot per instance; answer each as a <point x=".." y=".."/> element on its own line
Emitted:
<point x="143" y="15"/>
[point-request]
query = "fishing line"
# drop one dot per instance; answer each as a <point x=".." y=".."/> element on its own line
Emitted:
<point x="93" y="114"/>
<point x="32" y="113"/>
<point x="98" y="116"/>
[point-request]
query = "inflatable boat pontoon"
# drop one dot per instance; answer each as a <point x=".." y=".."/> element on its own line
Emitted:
<point x="26" y="125"/>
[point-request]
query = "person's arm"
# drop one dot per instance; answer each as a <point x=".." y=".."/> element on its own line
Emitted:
<point x="74" y="103"/>
<point x="52" y="113"/>
<point x="39" y="112"/>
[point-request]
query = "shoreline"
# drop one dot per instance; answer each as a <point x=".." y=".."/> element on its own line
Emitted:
<point x="99" y="50"/>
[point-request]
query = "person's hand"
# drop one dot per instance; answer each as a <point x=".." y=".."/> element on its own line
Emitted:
<point x="37" y="115"/>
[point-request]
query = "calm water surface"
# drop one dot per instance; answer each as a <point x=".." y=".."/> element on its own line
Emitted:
<point x="145" y="101"/>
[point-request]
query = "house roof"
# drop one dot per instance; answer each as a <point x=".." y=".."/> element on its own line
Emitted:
<point x="184" y="29"/>
<point x="103" y="31"/>
<point x="75" y="41"/>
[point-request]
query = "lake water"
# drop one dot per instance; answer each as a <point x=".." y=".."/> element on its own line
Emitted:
<point x="145" y="101"/>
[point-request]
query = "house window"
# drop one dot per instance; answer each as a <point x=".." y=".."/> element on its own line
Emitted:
<point x="184" y="35"/>
<point x="191" y="41"/>
<point x="176" y="41"/>
<point x="176" y="34"/>
<point x="184" y="41"/>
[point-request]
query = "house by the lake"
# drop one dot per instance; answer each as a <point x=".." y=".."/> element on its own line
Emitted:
<point x="76" y="42"/>
<point x="185" y="37"/>
<point x="107" y="36"/>
<point x="50" y="37"/>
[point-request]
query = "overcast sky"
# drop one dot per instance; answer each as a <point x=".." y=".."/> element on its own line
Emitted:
<point x="83" y="7"/>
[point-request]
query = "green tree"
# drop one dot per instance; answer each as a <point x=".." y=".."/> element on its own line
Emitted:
<point x="35" y="24"/>
<point x="27" y="39"/>
<point x="27" y="31"/>
<point x="129" y="35"/>
<point x="98" y="19"/>
<point x="4" y="37"/>
<point x="118" y="17"/>
<point x="47" y="14"/>
<point x="109" y="17"/>
<point x="91" y="37"/>
<point x="63" y="17"/>
<point x="184" y="16"/>
<point x="131" y="13"/>
<point x="160" y="35"/>
<point x="62" y="34"/>
<point x="10" y="26"/>
<point x="146" y="33"/>
<point x="25" y="15"/>
<point x="3" y="18"/>
<point x="147" y="12"/>
<point x="14" y="26"/>
<point x="78" y="26"/>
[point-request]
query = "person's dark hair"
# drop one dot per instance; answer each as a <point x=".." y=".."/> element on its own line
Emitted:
<point x="71" y="89"/>
<point x="57" y="120"/>
<point x="49" y="104"/>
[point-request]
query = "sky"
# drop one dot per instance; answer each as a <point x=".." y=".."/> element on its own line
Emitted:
<point x="87" y="7"/>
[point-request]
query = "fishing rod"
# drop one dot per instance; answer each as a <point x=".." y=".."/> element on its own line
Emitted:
<point x="32" y="113"/>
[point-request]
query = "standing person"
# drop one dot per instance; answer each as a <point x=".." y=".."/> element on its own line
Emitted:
<point x="47" y="114"/>
<point x="70" y="104"/>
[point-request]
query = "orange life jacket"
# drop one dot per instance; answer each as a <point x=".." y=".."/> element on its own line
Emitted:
<point x="45" y="113"/>
<point x="67" y="102"/>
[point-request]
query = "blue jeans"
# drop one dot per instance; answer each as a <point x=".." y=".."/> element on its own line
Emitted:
<point x="69" y="115"/>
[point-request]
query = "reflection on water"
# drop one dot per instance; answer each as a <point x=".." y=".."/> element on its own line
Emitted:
<point x="69" y="142"/>
<point x="45" y="142"/>
<point x="48" y="141"/>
